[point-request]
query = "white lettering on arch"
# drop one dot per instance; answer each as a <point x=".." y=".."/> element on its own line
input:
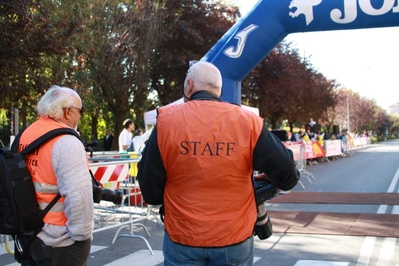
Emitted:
<point x="396" y="8"/>
<point x="349" y="15"/>
<point x="242" y="36"/>
<point x="366" y="7"/>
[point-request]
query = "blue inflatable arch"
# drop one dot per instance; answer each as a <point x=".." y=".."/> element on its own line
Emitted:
<point x="270" y="21"/>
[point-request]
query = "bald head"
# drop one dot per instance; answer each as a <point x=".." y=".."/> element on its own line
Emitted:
<point x="203" y="76"/>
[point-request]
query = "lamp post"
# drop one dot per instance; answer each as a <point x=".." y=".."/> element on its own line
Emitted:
<point x="14" y="123"/>
<point x="347" y="112"/>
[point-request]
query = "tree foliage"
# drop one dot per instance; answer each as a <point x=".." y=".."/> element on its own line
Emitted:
<point x="284" y="87"/>
<point x="359" y="114"/>
<point x="112" y="56"/>
<point x="127" y="57"/>
<point x="30" y="34"/>
<point x="190" y="29"/>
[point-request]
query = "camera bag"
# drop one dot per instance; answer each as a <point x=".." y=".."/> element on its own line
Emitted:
<point x="19" y="210"/>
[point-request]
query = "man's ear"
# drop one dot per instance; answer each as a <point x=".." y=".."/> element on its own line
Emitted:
<point x="190" y="87"/>
<point x="67" y="113"/>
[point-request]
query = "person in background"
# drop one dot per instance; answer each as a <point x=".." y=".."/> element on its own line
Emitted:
<point x="319" y="138"/>
<point x="199" y="162"/>
<point x="138" y="133"/>
<point x="108" y="140"/>
<point x="125" y="137"/>
<point x="62" y="167"/>
<point x="311" y="125"/>
<point x="296" y="137"/>
<point x="289" y="136"/>
<point x="310" y="135"/>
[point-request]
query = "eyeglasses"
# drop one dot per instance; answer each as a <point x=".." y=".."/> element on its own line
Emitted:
<point x="81" y="110"/>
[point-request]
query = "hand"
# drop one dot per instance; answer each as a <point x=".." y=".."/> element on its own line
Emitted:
<point x="262" y="176"/>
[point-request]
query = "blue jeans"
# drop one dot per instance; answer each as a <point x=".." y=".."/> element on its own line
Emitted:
<point x="241" y="254"/>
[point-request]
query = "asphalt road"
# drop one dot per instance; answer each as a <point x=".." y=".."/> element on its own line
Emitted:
<point x="370" y="169"/>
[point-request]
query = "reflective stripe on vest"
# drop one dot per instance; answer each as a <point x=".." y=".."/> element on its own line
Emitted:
<point x="45" y="193"/>
<point x="207" y="150"/>
<point x="45" y="188"/>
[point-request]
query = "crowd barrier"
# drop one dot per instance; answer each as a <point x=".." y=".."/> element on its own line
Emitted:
<point x="299" y="152"/>
<point x="118" y="171"/>
<point x="115" y="171"/>
<point x="330" y="148"/>
<point x="311" y="150"/>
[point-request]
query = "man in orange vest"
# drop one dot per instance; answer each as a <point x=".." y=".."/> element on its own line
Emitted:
<point x="61" y="165"/>
<point x="198" y="163"/>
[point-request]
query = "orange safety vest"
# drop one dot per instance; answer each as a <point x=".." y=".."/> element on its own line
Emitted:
<point x="40" y="167"/>
<point x="207" y="151"/>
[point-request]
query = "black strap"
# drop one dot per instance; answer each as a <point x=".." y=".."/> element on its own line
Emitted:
<point x="162" y="213"/>
<point x="93" y="179"/>
<point x="42" y="214"/>
<point x="46" y="137"/>
<point x="49" y="206"/>
<point x="15" y="143"/>
<point x="29" y="149"/>
<point x="37" y="143"/>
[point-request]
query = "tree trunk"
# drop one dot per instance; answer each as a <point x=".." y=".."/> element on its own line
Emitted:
<point x="120" y="117"/>
<point x="94" y="123"/>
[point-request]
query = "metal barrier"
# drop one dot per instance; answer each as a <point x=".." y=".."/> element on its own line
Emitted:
<point x="6" y="240"/>
<point x="116" y="172"/>
<point x="299" y="151"/>
<point x="362" y="141"/>
<point x="333" y="148"/>
<point x="303" y="160"/>
<point x="349" y="146"/>
<point x="119" y="174"/>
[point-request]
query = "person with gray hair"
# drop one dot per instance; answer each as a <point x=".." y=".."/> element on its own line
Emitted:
<point x="60" y="166"/>
<point x="206" y="76"/>
<point x="198" y="164"/>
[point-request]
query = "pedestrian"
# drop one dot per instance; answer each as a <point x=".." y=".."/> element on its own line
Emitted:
<point x="108" y="140"/>
<point x="296" y="137"/>
<point x="198" y="163"/>
<point x="312" y="125"/>
<point x="125" y="137"/>
<point x="61" y="167"/>
<point x="138" y="133"/>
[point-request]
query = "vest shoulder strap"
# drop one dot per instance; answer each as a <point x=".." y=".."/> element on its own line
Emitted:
<point x="42" y="139"/>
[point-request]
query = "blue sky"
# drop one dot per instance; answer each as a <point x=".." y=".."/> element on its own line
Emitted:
<point x="365" y="61"/>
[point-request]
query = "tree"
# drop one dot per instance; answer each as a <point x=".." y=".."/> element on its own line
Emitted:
<point x="394" y="124"/>
<point x="190" y="29"/>
<point x="353" y="111"/>
<point x="112" y="58"/>
<point x="29" y="34"/>
<point x="283" y="87"/>
<point x="383" y="122"/>
<point x="267" y="86"/>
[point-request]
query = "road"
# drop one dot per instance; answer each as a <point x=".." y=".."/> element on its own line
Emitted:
<point x="371" y="169"/>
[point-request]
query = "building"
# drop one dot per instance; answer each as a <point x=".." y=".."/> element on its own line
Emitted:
<point x="394" y="108"/>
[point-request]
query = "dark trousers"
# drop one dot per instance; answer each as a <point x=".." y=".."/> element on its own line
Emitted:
<point x="76" y="254"/>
